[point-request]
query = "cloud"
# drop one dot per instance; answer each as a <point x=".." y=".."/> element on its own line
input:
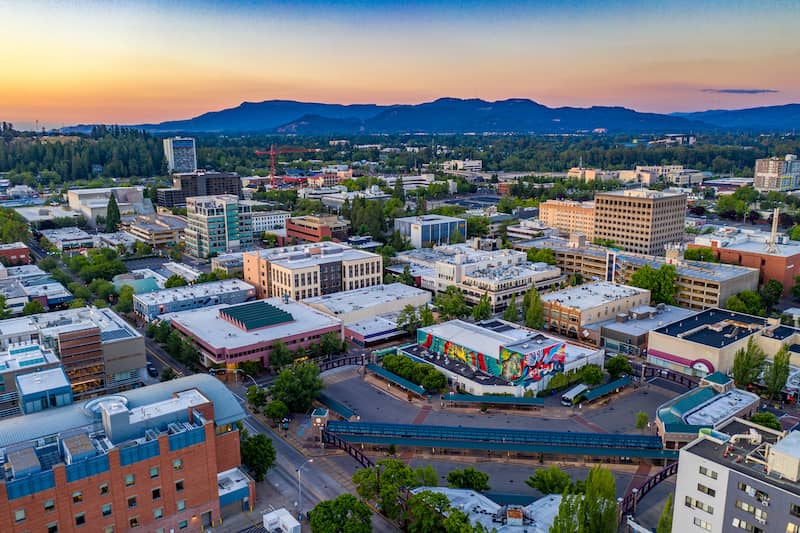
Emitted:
<point x="741" y="91"/>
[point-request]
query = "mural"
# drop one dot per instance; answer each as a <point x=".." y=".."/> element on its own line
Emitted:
<point x="513" y="366"/>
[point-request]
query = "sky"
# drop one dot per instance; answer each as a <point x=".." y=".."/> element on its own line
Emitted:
<point x="116" y="61"/>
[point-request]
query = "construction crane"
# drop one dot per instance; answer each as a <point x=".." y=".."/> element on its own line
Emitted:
<point x="273" y="152"/>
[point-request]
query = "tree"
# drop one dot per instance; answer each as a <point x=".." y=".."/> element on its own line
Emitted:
<point x="617" y="366"/>
<point x="451" y="303"/>
<point x="469" y="478"/>
<point x="575" y="279"/>
<point x="766" y="419"/>
<point x="770" y="293"/>
<point x="642" y="420"/>
<point x="511" y="312"/>
<point x="426" y="316"/>
<point x="665" y="520"/>
<point x="599" y="502"/>
<point x="747" y="302"/>
<point x="297" y="387"/>
<point x="747" y="364"/>
<point x="406" y="278"/>
<point x="796" y="288"/>
<point x="33" y="307"/>
<point x="777" y="372"/>
<point x="550" y="480"/>
<point x="142" y="248"/>
<point x="280" y="355"/>
<point x="534" y="309"/>
<point x="112" y="214"/>
<point x="426" y="510"/>
<point x="168" y="374"/>
<point x="387" y="482"/>
<point x="567" y="520"/>
<point x="276" y="410"/>
<point x="77" y="303"/>
<point x="483" y="310"/>
<point x="343" y="514"/>
<point x="5" y="312"/>
<point x="541" y="255"/>
<point x="660" y="283"/>
<point x="704" y="254"/>
<point x="48" y="263"/>
<point x="258" y="454"/>
<point x="125" y="301"/>
<point x="256" y="397"/>
<point x="175" y="281"/>
<point x="407" y="319"/>
<point x="592" y="375"/>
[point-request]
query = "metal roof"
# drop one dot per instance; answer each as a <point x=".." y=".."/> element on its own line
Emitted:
<point x="607" y="389"/>
<point x="394" y="378"/>
<point x="498" y="400"/>
<point x="255" y="315"/>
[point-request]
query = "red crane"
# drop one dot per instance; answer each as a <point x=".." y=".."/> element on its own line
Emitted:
<point x="273" y="152"/>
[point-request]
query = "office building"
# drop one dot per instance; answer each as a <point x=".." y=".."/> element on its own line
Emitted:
<point x="739" y="477"/>
<point x="315" y="228"/>
<point x="495" y="356"/>
<point x="269" y="221"/>
<point x="231" y="334"/>
<point x="713" y="403"/>
<point x="777" y="174"/>
<point x="199" y="183"/>
<point x="93" y="203"/>
<point x="568" y="217"/>
<point x="640" y="220"/>
<point x="231" y="264"/>
<point x="151" y="305"/>
<point x="218" y="224"/>
<point x="68" y="239"/>
<point x="160" y="458"/>
<point x="467" y="165"/>
<point x="409" y="183"/>
<point x="119" y="240"/>
<point x="99" y="351"/>
<point x="700" y="285"/>
<point x="591" y="174"/>
<point x="25" y="283"/>
<point x="181" y="154"/>
<point x="308" y="270"/>
<point x="369" y="315"/>
<point x="429" y="230"/>
<point x="157" y="230"/>
<point x="567" y="311"/>
<point x="628" y="332"/>
<point x="15" y="253"/>
<point x="528" y="229"/>
<point x="18" y="360"/>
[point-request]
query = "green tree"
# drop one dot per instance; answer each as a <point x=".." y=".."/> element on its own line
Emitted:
<point x="575" y="279"/>
<point x="511" y="313"/>
<point x="747" y="364"/>
<point x="343" y="514"/>
<point x="451" y="303"/>
<point x="617" y="366"/>
<point x="599" y="504"/>
<point x="77" y="303"/>
<point x="174" y="343"/>
<point x="48" y="263"/>
<point x="175" y="281"/>
<point x="256" y="397"/>
<point x="280" y="355"/>
<point x="567" y="520"/>
<point x="32" y="308"/>
<point x="534" y="309"/>
<point x="297" y="387"/>
<point x="796" y="288"/>
<point x="79" y="290"/>
<point x="426" y="316"/>
<point x="125" y="300"/>
<point x="477" y="226"/>
<point x="168" y="374"/>
<point x="5" y="312"/>
<point x="642" y="420"/>
<point x="258" y="454"/>
<point x="469" y="478"/>
<point x="162" y="332"/>
<point x="407" y="319"/>
<point x="483" y="310"/>
<point x="770" y="294"/>
<point x="112" y="215"/>
<point x="406" y="278"/>
<point x="665" y="520"/>
<point x="426" y="511"/>
<point x="777" y="372"/>
<point x="592" y="375"/>
<point x="541" y="255"/>
<point x="386" y="484"/>
<point x="700" y="254"/>
<point x="766" y="419"/>
<point x="276" y="410"/>
<point x="748" y="302"/>
<point x="550" y="480"/>
<point x="660" y="283"/>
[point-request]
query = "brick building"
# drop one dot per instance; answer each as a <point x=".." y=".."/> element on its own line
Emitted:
<point x="312" y="228"/>
<point x="15" y="253"/>
<point x="160" y="458"/>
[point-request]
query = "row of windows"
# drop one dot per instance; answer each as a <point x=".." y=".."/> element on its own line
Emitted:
<point x="760" y="514"/>
<point x="741" y="524"/>
<point x="697" y="504"/>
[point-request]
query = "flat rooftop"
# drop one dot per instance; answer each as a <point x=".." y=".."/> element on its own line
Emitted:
<point x="649" y="318"/>
<point x="592" y="295"/>
<point x="20" y="356"/>
<point x="311" y="254"/>
<point x="179" y="403"/>
<point x="65" y="234"/>
<point x="714" y="327"/>
<point x="511" y="272"/>
<point x="42" y="380"/>
<point x="341" y="303"/>
<point x="13" y="246"/>
<point x="640" y="193"/>
<point x="190" y="292"/>
<point x="207" y="325"/>
<point x="462" y="252"/>
<point x="112" y="327"/>
<point x="40" y="213"/>
<point x="429" y="219"/>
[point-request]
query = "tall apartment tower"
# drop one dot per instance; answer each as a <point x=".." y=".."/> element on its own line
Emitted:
<point x="777" y="174"/>
<point x="640" y="220"/>
<point x="181" y="154"/>
<point x="217" y="225"/>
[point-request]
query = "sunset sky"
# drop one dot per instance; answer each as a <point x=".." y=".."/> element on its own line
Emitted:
<point x="72" y="61"/>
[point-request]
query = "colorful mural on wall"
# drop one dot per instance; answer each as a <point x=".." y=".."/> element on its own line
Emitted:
<point x="512" y="365"/>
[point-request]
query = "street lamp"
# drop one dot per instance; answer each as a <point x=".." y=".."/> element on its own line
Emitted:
<point x="299" y="489"/>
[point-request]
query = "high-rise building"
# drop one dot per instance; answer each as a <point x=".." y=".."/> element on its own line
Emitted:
<point x="199" y="183"/>
<point x="777" y="174"/>
<point x="570" y="217"/>
<point x="739" y="477"/>
<point x="640" y="220"/>
<point x="180" y="154"/>
<point x="315" y="228"/>
<point x="427" y="230"/>
<point x="218" y="224"/>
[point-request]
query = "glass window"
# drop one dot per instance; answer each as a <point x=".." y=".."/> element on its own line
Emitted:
<point x="177" y="464"/>
<point x="179" y="486"/>
<point x="708" y="473"/>
<point x="49" y="505"/>
<point x="130" y="480"/>
<point x="77" y="497"/>
<point x="52" y="528"/>
<point x="181" y="505"/>
<point x="703" y="524"/>
<point x="792" y="528"/>
<point x="106" y="509"/>
<point x="108" y="529"/>
<point x="103" y="489"/>
<point x="134" y="522"/>
<point x="153" y="472"/>
<point x="157" y="493"/>
<point x="80" y="519"/>
<point x="19" y="515"/>
<point x="131" y="502"/>
<point x="706" y="490"/>
<point x="183" y="524"/>
<point x="158" y="513"/>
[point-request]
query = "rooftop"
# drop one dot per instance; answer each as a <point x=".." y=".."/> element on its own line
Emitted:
<point x="188" y="292"/>
<point x="462" y="254"/>
<point x="714" y="327"/>
<point x="65" y="234"/>
<point x="642" y="319"/>
<point x="639" y="193"/>
<point x="19" y="356"/>
<point x="112" y="327"/>
<point x="592" y="295"/>
<point x="749" y="240"/>
<point x="40" y="213"/>
<point x="12" y="246"/>
<point x="429" y="219"/>
<point x="43" y="380"/>
<point x="341" y="303"/>
<point x="311" y="254"/>
<point x="256" y="315"/>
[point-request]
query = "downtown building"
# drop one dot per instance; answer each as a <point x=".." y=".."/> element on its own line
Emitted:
<point x="777" y="174"/>
<point x="151" y="305"/>
<point x="218" y="224"/>
<point x="181" y="154"/>
<point x="161" y="458"/>
<point x="198" y="183"/>
<point x="429" y="230"/>
<point x="568" y="216"/>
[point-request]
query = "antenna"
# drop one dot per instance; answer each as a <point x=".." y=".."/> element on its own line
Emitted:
<point x="771" y="247"/>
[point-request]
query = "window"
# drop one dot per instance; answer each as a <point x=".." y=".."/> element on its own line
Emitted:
<point x="177" y="464"/>
<point x="106" y="509"/>
<point x="19" y="515"/>
<point x="703" y="524"/>
<point x="134" y="522"/>
<point x="183" y="524"/>
<point x="153" y="472"/>
<point x="741" y="524"/>
<point x="697" y="504"/>
<point x="103" y="489"/>
<point x="157" y="493"/>
<point x="130" y="480"/>
<point x="181" y="505"/>
<point x="108" y="529"/>
<point x="52" y="528"/>
<point x="792" y="528"/>
<point x="708" y="473"/>
<point x="705" y="490"/>
<point x="132" y="502"/>
<point x="77" y="497"/>
<point x="179" y="486"/>
<point x="160" y="530"/>
<point x="80" y="519"/>
<point x="49" y="505"/>
<point x="794" y="509"/>
<point x="158" y="513"/>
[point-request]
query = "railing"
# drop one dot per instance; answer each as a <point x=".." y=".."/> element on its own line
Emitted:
<point x="628" y="503"/>
<point x="354" y="452"/>
<point x="657" y="372"/>
<point x="330" y="364"/>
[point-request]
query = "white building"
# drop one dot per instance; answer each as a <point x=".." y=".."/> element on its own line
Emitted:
<point x="151" y="305"/>
<point x="181" y="154"/>
<point x="410" y="183"/>
<point x="777" y="174"/>
<point x="429" y="230"/>
<point x="66" y="239"/>
<point x="93" y="203"/>
<point x="269" y="221"/>
<point x="467" y="165"/>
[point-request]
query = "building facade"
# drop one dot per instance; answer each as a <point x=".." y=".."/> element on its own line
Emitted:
<point x="198" y="183"/>
<point x="429" y="230"/>
<point x="316" y="228"/>
<point x="181" y="154"/>
<point x="640" y="220"/>
<point x="567" y="216"/>
<point x="269" y="221"/>
<point x="157" y="231"/>
<point x="151" y="305"/>
<point x="218" y="224"/>
<point x="15" y="253"/>
<point x="777" y="174"/>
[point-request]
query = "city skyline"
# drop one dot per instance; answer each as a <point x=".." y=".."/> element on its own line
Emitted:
<point x="182" y="59"/>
